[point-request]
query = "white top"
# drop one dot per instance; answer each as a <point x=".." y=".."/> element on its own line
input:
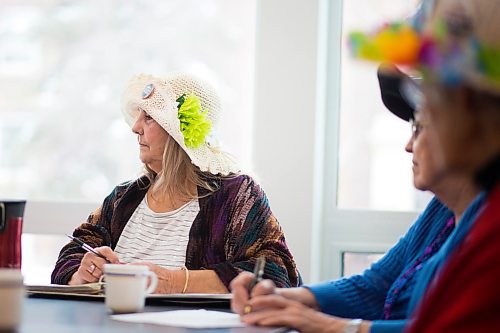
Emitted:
<point x="158" y="238"/>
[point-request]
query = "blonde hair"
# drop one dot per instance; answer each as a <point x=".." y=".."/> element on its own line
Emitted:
<point x="179" y="174"/>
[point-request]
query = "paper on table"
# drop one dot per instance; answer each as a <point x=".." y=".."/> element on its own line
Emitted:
<point x="184" y="318"/>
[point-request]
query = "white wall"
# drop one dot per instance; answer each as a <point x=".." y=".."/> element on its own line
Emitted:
<point x="284" y="119"/>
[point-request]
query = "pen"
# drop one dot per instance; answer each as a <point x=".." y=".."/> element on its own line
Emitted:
<point x="258" y="273"/>
<point x="88" y="248"/>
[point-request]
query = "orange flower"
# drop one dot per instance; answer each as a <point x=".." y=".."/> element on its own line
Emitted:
<point x="398" y="44"/>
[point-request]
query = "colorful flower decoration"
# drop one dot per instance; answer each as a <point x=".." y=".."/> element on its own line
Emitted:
<point x="448" y="54"/>
<point x="395" y="43"/>
<point x="194" y="123"/>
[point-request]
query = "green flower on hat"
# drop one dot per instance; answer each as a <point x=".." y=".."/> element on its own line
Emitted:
<point x="194" y="123"/>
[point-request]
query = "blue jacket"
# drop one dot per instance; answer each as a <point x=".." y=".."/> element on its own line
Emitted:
<point x="363" y="296"/>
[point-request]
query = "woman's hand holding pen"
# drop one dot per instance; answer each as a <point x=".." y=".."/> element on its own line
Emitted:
<point x="267" y="305"/>
<point x="280" y="311"/>
<point x="242" y="296"/>
<point x="92" y="266"/>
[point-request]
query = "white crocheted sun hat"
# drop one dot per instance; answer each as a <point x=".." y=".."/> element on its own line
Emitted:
<point x="171" y="102"/>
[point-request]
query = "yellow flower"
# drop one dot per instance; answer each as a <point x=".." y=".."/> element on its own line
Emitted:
<point x="194" y="124"/>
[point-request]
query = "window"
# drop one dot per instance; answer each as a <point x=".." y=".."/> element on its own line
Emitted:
<point x="369" y="199"/>
<point x="374" y="170"/>
<point x="357" y="262"/>
<point x="63" y="65"/>
<point x="39" y="255"/>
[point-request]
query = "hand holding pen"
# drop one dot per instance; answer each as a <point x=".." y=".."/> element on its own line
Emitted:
<point x="258" y="275"/>
<point x="92" y="264"/>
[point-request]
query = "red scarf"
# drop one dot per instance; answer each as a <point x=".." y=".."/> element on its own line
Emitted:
<point x="466" y="296"/>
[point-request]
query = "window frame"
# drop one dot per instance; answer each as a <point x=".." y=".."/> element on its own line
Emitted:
<point x="346" y="230"/>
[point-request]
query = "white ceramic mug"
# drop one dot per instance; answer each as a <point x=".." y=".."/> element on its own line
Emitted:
<point x="11" y="296"/>
<point x="127" y="286"/>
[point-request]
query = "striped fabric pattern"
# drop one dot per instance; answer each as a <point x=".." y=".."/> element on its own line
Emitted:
<point x="158" y="238"/>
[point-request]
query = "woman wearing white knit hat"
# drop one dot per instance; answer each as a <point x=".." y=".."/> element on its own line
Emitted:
<point x="192" y="218"/>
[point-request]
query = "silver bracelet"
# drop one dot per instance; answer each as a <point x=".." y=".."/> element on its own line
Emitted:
<point x="353" y="326"/>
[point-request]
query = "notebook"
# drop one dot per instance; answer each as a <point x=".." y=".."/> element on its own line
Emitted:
<point x="96" y="290"/>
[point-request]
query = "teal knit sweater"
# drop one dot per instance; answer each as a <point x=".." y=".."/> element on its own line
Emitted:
<point x="363" y="296"/>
